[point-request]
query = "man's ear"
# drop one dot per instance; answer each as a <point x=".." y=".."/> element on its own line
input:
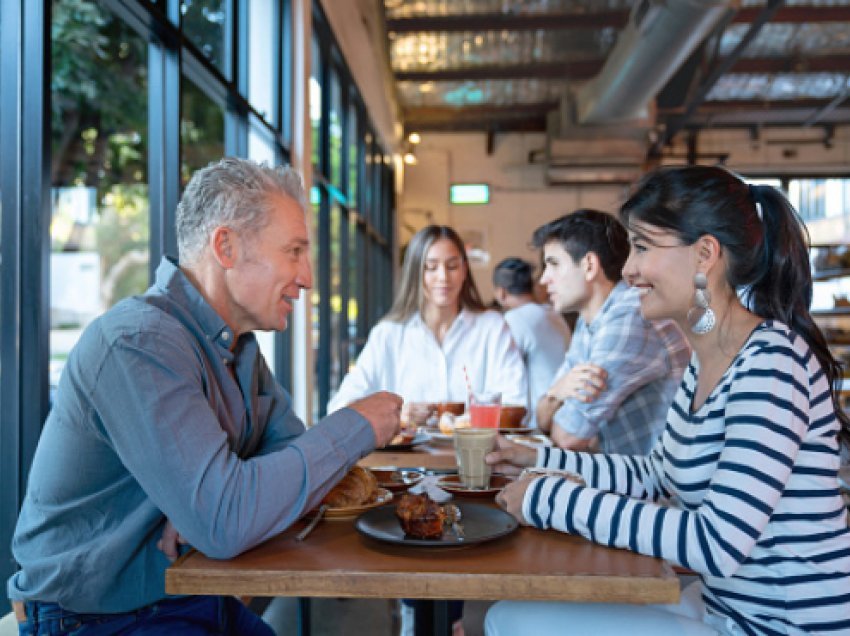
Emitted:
<point x="224" y="245"/>
<point x="591" y="266"/>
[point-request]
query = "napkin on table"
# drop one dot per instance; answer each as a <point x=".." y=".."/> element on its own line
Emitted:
<point x="429" y="486"/>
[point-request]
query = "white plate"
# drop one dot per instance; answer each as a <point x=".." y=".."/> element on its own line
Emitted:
<point x="440" y="438"/>
<point x="533" y="440"/>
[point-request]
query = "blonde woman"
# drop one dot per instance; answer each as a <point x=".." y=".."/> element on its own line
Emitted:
<point x="436" y="326"/>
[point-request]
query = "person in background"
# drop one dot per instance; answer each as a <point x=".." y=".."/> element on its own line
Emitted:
<point x="168" y="426"/>
<point x="621" y="370"/>
<point x="541" y="334"/>
<point x="742" y="487"/>
<point x="437" y="336"/>
<point x="436" y="327"/>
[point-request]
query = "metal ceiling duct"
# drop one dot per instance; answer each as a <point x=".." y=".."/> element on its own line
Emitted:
<point x="659" y="37"/>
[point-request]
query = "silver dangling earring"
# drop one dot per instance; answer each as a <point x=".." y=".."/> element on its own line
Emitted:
<point x="701" y="318"/>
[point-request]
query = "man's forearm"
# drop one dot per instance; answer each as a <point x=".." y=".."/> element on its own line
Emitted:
<point x="565" y="440"/>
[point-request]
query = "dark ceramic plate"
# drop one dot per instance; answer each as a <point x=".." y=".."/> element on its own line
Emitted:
<point x="480" y="523"/>
<point x="420" y="438"/>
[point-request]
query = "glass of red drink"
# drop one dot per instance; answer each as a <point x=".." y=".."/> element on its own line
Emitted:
<point x="484" y="409"/>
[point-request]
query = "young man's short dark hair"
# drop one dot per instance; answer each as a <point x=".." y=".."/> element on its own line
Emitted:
<point x="586" y="231"/>
<point x="514" y="275"/>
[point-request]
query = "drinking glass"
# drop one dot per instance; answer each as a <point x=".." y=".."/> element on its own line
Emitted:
<point x="484" y="409"/>
<point x="471" y="446"/>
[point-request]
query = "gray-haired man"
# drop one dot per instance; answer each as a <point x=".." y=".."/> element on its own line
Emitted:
<point x="167" y="415"/>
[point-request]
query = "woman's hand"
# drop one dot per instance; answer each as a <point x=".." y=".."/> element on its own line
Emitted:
<point x="510" y="458"/>
<point x="510" y="498"/>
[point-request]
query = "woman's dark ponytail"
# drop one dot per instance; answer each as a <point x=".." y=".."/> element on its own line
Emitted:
<point x="783" y="291"/>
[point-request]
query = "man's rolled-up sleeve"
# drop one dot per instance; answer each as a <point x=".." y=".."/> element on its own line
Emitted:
<point x="632" y="354"/>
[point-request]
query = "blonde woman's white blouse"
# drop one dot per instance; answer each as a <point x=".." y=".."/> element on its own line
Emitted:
<point x="406" y="358"/>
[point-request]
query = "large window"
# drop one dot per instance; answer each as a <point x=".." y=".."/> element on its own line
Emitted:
<point x="206" y="24"/>
<point x="99" y="139"/>
<point x="822" y="201"/>
<point x="354" y="213"/>
<point x="201" y="130"/>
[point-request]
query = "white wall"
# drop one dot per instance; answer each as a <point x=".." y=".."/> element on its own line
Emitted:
<point x="520" y="201"/>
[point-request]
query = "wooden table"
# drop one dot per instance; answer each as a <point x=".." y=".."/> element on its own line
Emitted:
<point x="428" y="456"/>
<point x="336" y="561"/>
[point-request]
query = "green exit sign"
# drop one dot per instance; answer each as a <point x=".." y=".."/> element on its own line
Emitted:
<point x="469" y="193"/>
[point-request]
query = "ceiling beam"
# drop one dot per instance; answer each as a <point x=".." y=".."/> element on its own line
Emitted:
<point x="520" y="117"/>
<point x="532" y="117"/>
<point x="587" y="69"/>
<point x="576" y="70"/>
<point x="797" y="14"/>
<point x="720" y="106"/>
<point x="595" y="20"/>
<point x="792" y="64"/>
<point x="509" y="22"/>
<point x="731" y="113"/>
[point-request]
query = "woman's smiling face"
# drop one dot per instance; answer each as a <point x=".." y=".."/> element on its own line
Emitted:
<point x="443" y="274"/>
<point x="663" y="269"/>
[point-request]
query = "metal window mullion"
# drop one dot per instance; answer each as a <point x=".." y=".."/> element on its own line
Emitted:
<point x="11" y="455"/>
<point x="285" y="75"/>
<point x="324" y="361"/>
<point x="26" y="209"/>
<point x="343" y="291"/>
<point x="277" y="49"/>
<point x="163" y="148"/>
<point x="35" y="211"/>
<point x="324" y="75"/>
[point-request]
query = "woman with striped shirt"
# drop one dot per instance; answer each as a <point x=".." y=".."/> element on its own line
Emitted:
<point x="742" y="486"/>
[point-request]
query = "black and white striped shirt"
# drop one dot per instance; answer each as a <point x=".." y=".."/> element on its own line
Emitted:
<point x="744" y="491"/>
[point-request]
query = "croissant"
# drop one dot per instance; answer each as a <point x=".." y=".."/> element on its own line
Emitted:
<point x="358" y="487"/>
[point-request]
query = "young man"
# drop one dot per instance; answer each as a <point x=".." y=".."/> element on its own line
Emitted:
<point x="620" y="373"/>
<point x="541" y="334"/>
<point x="168" y="425"/>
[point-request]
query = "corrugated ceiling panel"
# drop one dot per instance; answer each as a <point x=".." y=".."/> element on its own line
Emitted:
<point x="490" y="92"/>
<point x="418" y="8"/>
<point x="784" y="39"/>
<point x="441" y="51"/>
<point x="782" y="86"/>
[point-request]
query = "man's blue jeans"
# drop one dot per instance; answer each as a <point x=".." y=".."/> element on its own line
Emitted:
<point x="190" y="616"/>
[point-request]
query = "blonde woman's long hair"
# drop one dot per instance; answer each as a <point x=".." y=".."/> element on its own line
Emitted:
<point x="409" y="297"/>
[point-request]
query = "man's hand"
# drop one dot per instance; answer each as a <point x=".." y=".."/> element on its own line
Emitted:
<point x="510" y="458"/>
<point x="169" y="542"/>
<point x="383" y="410"/>
<point x="511" y="497"/>
<point x="584" y="382"/>
<point x="420" y="412"/>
